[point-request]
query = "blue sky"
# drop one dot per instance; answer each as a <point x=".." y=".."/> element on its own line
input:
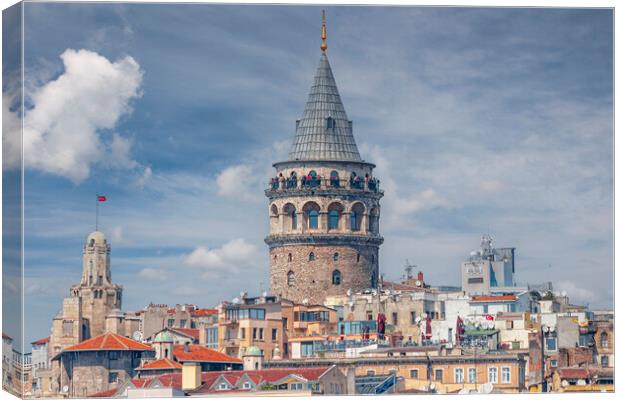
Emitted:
<point x="479" y="120"/>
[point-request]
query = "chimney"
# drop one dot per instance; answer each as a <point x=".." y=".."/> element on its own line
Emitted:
<point x="191" y="376"/>
<point x="420" y="276"/>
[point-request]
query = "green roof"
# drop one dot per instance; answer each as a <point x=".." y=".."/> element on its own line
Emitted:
<point x="253" y="351"/>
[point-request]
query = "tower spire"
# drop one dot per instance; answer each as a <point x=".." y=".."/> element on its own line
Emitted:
<point x="323" y="34"/>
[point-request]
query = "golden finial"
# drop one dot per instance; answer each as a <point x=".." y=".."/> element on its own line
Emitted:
<point x="323" y="34"/>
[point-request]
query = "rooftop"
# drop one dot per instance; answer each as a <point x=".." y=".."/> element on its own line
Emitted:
<point x="202" y="354"/>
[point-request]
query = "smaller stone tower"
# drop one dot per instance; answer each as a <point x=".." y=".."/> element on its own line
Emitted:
<point x="163" y="345"/>
<point x="252" y="359"/>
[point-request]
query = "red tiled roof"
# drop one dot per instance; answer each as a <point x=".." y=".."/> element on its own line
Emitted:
<point x="191" y="332"/>
<point x="163" y="363"/>
<point x="105" y="393"/>
<point x="41" y="341"/>
<point x="508" y="297"/>
<point x="109" y="341"/>
<point x="573" y="373"/>
<point x="201" y="354"/>
<point x="201" y="312"/>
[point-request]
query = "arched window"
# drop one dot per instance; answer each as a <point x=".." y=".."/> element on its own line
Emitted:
<point x="311" y="257"/>
<point x="334" y="179"/>
<point x="334" y="216"/>
<point x="604" y="361"/>
<point x="604" y="340"/>
<point x="313" y="219"/>
<point x="356" y="217"/>
<point x="294" y="219"/>
<point x="331" y="123"/>
<point x="92" y="242"/>
<point x="290" y="257"/>
<point x="290" y="216"/>
<point x="336" y="277"/>
<point x="311" y="215"/>
<point x="358" y="257"/>
<point x="312" y="174"/>
<point x="336" y="256"/>
<point x="290" y="278"/>
<point x="274" y="210"/>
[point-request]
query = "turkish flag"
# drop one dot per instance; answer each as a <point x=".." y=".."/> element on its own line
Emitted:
<point x="489" y="317"/>
<point x="101" y="198"/>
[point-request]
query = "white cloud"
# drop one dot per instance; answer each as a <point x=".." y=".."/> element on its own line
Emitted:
<point x="233" y="256"/>
<point x="236" y="181"/>
<point x="153" y="274"/>
<point x="68" y="129"/>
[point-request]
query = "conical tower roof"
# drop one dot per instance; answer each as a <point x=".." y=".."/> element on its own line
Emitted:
<point x="324" y="132"/>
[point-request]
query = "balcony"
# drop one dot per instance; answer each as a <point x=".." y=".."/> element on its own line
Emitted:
<point x="279" y="184"/>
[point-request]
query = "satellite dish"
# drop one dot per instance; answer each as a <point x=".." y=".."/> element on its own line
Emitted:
<point x="564" y="383"/>
<point x="305" y="302"/>
<point x="235" y="300"/>
<point x="418" y="319"/>
<point x="552" y="329"/>
<point x="418" y="283"/>
<point x="491" y="324"/>
<point x="432" y="386"/>
<point x="349" y="292"/>
<point x="546" y="329"/>
<point x="137" y="335"/>
<point x="425" y="315"/>
<point x="65" y="389"/>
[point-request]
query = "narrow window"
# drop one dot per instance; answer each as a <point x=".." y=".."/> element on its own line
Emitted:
<point x="505" y="374"/>
<point x="604" y="340"/>
<point x="336" y="256"/>
<point x="336" y="277"/>
<point x="293" y="219"/>
<point x="471" y="375"/>
<point x="493" y="374"/>
<point x="311" y="257"/>
<point x="458" y="375"/>
<point x="290" y="278"/>
<point x="395" y="318"/>
<point x="413" y="374"/>
<point x="290" y="257"/>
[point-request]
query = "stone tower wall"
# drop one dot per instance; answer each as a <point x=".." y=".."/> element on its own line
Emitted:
<point x="313" y="279"/>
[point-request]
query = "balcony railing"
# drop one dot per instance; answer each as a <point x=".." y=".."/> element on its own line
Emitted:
<point x="281" y="184"/>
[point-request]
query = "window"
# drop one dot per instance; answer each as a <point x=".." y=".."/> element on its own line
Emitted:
<point x="354" y="221"/>
<point x="297" y="386"/>
<point x="113" y="377"/>
<point x="485" y="308"/>
<point x="493" y="374"/>
<point x="439" y="375"/>
<point x="247" y="385"/>
<point x="170" y="323"/>
<point x="505" y="374"/>
<point x="336" y="277"/>
<point x="113" y="355"/>
<point x="550" y="343"/>
<point x="334" y="217"/>
<point x="475" y="280"/>
<point x="369" y="315"/>
<point x="274" y="334"/>
<point x="331" y="123"/>
<point x="334" y="179"/>
<point x="313" y="219"/>
<point x="458" y="375"/>
<point x="509" y="324"/>
<point x="290" y="257"/>
<point x="290" y="277"/>
<point x="336" y="256"/>
<point x="311" y="257"/>
<point x="370" y="372"/>
<point x="471" y="375"/>
<point x="222" y="386"/>
<point x="554" y="363"/>
<point x="183" y="323"/>
<point x="604" y="361"/>
<point x="242" y="333"/>
<point x="412" y="316"/>
<point x="358" y="257"/>
<point x="307" y="349"/>
<point x="260" y="334"/>
<point x="394" y="318"/>
<point x="254" y="333"/>
<point x="293" y="219"/>
<point x="100" y="280"/>
<point x="604" y="340"/>
<point x="413" y="373"/>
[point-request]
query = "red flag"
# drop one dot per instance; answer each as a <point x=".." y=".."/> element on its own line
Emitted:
<point x="101" y="198"/>
<point x="489" y="317"/>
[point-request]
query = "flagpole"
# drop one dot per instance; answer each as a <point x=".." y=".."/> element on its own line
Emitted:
<point x="96" y="213"/>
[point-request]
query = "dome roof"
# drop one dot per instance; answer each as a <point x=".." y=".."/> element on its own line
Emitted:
<point x="163" y="337"/>
<point x="253" y="351"/>
<point x="97" y="237"/>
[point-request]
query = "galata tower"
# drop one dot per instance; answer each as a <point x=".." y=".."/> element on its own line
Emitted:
<point x="323" y="203"/>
